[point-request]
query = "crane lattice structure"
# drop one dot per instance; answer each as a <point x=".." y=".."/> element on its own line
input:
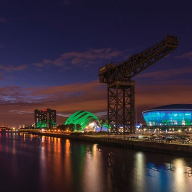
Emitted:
<point x="121" y="88"/>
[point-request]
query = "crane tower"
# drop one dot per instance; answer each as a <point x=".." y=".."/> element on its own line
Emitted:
<point x="121" y="87"/>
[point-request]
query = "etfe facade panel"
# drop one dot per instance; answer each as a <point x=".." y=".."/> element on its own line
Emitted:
<point x="168" y="117"/>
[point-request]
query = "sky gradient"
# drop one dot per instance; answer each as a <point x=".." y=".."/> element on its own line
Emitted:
<point x="51" y="52"/>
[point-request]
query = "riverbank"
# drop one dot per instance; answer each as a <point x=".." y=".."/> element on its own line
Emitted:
<point x="165" y="148"/>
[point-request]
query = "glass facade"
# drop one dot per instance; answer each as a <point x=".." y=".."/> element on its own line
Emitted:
<point x="168" y="117"/>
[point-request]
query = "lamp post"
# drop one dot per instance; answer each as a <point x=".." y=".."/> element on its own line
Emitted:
<point x="135" y="118"/>
<point x="141" y="126"/>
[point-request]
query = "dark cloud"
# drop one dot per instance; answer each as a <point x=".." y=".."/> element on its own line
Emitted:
<point x="13" y="68"/>
<point x="1" y="76"/>
<point x="187" y="55"/>
<point x="170" y="73"/>
<point x="85" y="58"/>
<point x="20" y="112"/>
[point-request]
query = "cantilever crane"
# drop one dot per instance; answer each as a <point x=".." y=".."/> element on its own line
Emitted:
<point x="121" y="89"/>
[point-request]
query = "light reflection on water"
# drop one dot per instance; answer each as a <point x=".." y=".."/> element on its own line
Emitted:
<point x="139" y="172"/>
<point x="33" y="163"/>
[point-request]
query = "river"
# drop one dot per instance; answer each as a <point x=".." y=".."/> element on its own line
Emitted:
<point x="47" y="164"/>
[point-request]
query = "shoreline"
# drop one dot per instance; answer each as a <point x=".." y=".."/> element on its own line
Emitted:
<point x="164" y="148"/>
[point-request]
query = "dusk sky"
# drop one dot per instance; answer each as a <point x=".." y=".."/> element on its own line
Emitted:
<point x="51" y="52"/>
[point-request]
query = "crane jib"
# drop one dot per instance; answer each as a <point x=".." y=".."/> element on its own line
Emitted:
<point x="138" y="62"/>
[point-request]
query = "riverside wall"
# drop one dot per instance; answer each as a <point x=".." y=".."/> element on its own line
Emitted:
<point x="165" y="148"/>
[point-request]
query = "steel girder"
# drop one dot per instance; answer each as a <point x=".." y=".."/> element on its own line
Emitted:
<point x="121" y="94"/>
<point x="137" y="63"/>
<point x="121" y="106"/>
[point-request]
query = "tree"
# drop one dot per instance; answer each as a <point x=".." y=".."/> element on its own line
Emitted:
<point x="63" y="127"/>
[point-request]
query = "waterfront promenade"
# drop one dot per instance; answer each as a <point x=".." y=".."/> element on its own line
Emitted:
<point x="131" y="141"/>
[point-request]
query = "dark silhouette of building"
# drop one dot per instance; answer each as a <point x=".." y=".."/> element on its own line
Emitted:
<point x="45" y="118"/>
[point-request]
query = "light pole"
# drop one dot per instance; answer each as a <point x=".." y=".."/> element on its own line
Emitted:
<point x="135" y="118"/>
<point x="141" y="126"/>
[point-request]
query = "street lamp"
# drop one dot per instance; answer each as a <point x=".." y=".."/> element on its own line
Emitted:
<point x="135" y="117"/>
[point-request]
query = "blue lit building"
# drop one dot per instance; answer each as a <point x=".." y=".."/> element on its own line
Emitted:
<point x="175" y="115"/>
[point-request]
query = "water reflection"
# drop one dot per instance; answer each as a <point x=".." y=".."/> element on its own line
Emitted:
<point x="54" y="164"/>
<point x="67" y="164"/>
<point x="93" y="170"/>
<point x="139" y="171"/>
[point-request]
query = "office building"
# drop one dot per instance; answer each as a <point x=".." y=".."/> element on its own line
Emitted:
<point x="45" y="118"/>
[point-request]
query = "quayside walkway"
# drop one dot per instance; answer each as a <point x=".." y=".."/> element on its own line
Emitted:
<point x="128" y="142"/>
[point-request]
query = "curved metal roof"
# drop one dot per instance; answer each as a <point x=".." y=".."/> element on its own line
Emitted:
<point x="82" y="118"/>
<point x="175" y="106"/>
<point x="172" y="107"/>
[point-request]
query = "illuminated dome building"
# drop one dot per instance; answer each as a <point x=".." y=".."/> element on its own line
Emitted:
<point x="82" y="121"/>
<point x="175" y="115"/>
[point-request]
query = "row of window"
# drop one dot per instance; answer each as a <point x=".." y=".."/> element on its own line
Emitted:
<point x="160" y="118"/>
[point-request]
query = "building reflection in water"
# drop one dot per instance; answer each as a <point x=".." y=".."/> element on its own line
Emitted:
<point x="13" y="144"/>
<point x="93" y="176"/>
<point x="174" y="176"/>
<point x="67" y="162"/>
<point x="7" y="143"/>
<point x="64" y="165"/>
<point x="111" y="176"/>
<point x="1" y="149"/>
<point x="180" y="175"/>
<point x="55" y="165"/>
<point x="50" y="161"/>
<point x="31" y="137"/>
<point x="57" y="161"/>
<point x="139" y="172"/>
